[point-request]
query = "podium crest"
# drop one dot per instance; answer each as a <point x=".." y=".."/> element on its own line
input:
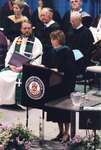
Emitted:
<point x="35" y="88"/>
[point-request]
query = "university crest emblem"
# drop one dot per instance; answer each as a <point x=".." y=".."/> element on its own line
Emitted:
<point x="35" y="88"/>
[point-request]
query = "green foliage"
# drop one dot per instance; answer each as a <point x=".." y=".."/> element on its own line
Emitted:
<point x="84" y="143"/>
<point x="18" y="138"/>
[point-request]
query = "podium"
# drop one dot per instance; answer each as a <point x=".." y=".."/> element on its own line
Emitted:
<point x="37" y="85"/>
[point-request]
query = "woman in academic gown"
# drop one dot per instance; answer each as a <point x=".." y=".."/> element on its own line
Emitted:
<point x="64" y="63"/>
<point x="13" y="22"/>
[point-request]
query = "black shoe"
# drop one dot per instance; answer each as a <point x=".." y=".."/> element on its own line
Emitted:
<point x="58" y="138"/>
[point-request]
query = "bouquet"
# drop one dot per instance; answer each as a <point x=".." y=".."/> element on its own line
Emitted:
<point x="84" y="143"/>
<point x="15" y="138"/>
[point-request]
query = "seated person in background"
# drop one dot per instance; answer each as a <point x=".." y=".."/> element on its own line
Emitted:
<point x="95" y="28"/>
<point x="7" y="10"/>
<point x="82" y="40"/>
<point x="76" y="7"/>
<point x="3" y="50"/>
<point x="25" y="44"/>
<point x="42" y="4"/>
<point x="64" y="63"/>
<point x="13" y="22"/>
<point x="98" y="28"/>
<point x="96" y="31"/>
<point x="43" y="30"/>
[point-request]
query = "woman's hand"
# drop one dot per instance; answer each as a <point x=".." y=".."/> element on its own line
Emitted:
<point x="15" y="69"/>
<point x="54" y="69"/>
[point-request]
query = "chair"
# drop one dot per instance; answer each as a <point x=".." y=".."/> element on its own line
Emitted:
<point x="83" y="77"/>
<point x="86" y="78"/>
<point x="97" y="71"/>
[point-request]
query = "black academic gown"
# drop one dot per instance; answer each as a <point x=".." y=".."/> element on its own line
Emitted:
<point x="7" y="10"/>
<point x="82" y="39"/>
<point x="67" y="26"/>
<point x="43" y="33"/>
<point x="3" y="50"/>
<point x="12" y="29"/>
<point x="65" y="62"/>
<point x="35" y="18"/>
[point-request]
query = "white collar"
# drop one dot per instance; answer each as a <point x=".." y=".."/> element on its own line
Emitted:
<point x="49" y="23"/>
<point x="79" y="26"/>
<point x="80" y="10"/>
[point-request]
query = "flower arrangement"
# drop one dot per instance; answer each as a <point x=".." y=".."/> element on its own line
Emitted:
<point x="84" y="143"/>
<point x="15" y="138"/>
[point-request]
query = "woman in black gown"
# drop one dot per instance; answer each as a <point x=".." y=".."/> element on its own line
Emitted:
<point x="64" y="63"/>
<point x="13" y="22"/>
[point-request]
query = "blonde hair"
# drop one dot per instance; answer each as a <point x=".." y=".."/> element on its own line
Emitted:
<point x="20" y="3"/>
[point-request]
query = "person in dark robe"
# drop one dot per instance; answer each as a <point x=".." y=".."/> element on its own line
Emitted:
<point x="7" y="10"/>
<point x="3" y="50"/>
<point x="86" y="18"/>
<point x="13" y="22"/>
<point x="45" y="3"/>
<point x="82" y="40"/>
<point x="43" y="30"/>
<point x="64" y="63"/>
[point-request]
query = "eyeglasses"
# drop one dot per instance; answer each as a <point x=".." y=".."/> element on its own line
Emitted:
<point x="74" y="1"/>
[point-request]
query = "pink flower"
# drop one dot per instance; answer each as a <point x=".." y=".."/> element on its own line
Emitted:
<point x="1" y="148"/>
<point x="17" y="139"/>
<point x="5" y="128"/>
<point x="76" y="138"/>
<point x="27" y="145"/>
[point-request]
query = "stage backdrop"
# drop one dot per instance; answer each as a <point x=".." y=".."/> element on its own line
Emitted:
<point x="91" y="6"/>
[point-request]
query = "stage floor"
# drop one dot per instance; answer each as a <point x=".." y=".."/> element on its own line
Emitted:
<point x="48" y="145"/>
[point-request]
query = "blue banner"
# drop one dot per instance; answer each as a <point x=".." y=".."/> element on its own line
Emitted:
<point x="91" y="6"/>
